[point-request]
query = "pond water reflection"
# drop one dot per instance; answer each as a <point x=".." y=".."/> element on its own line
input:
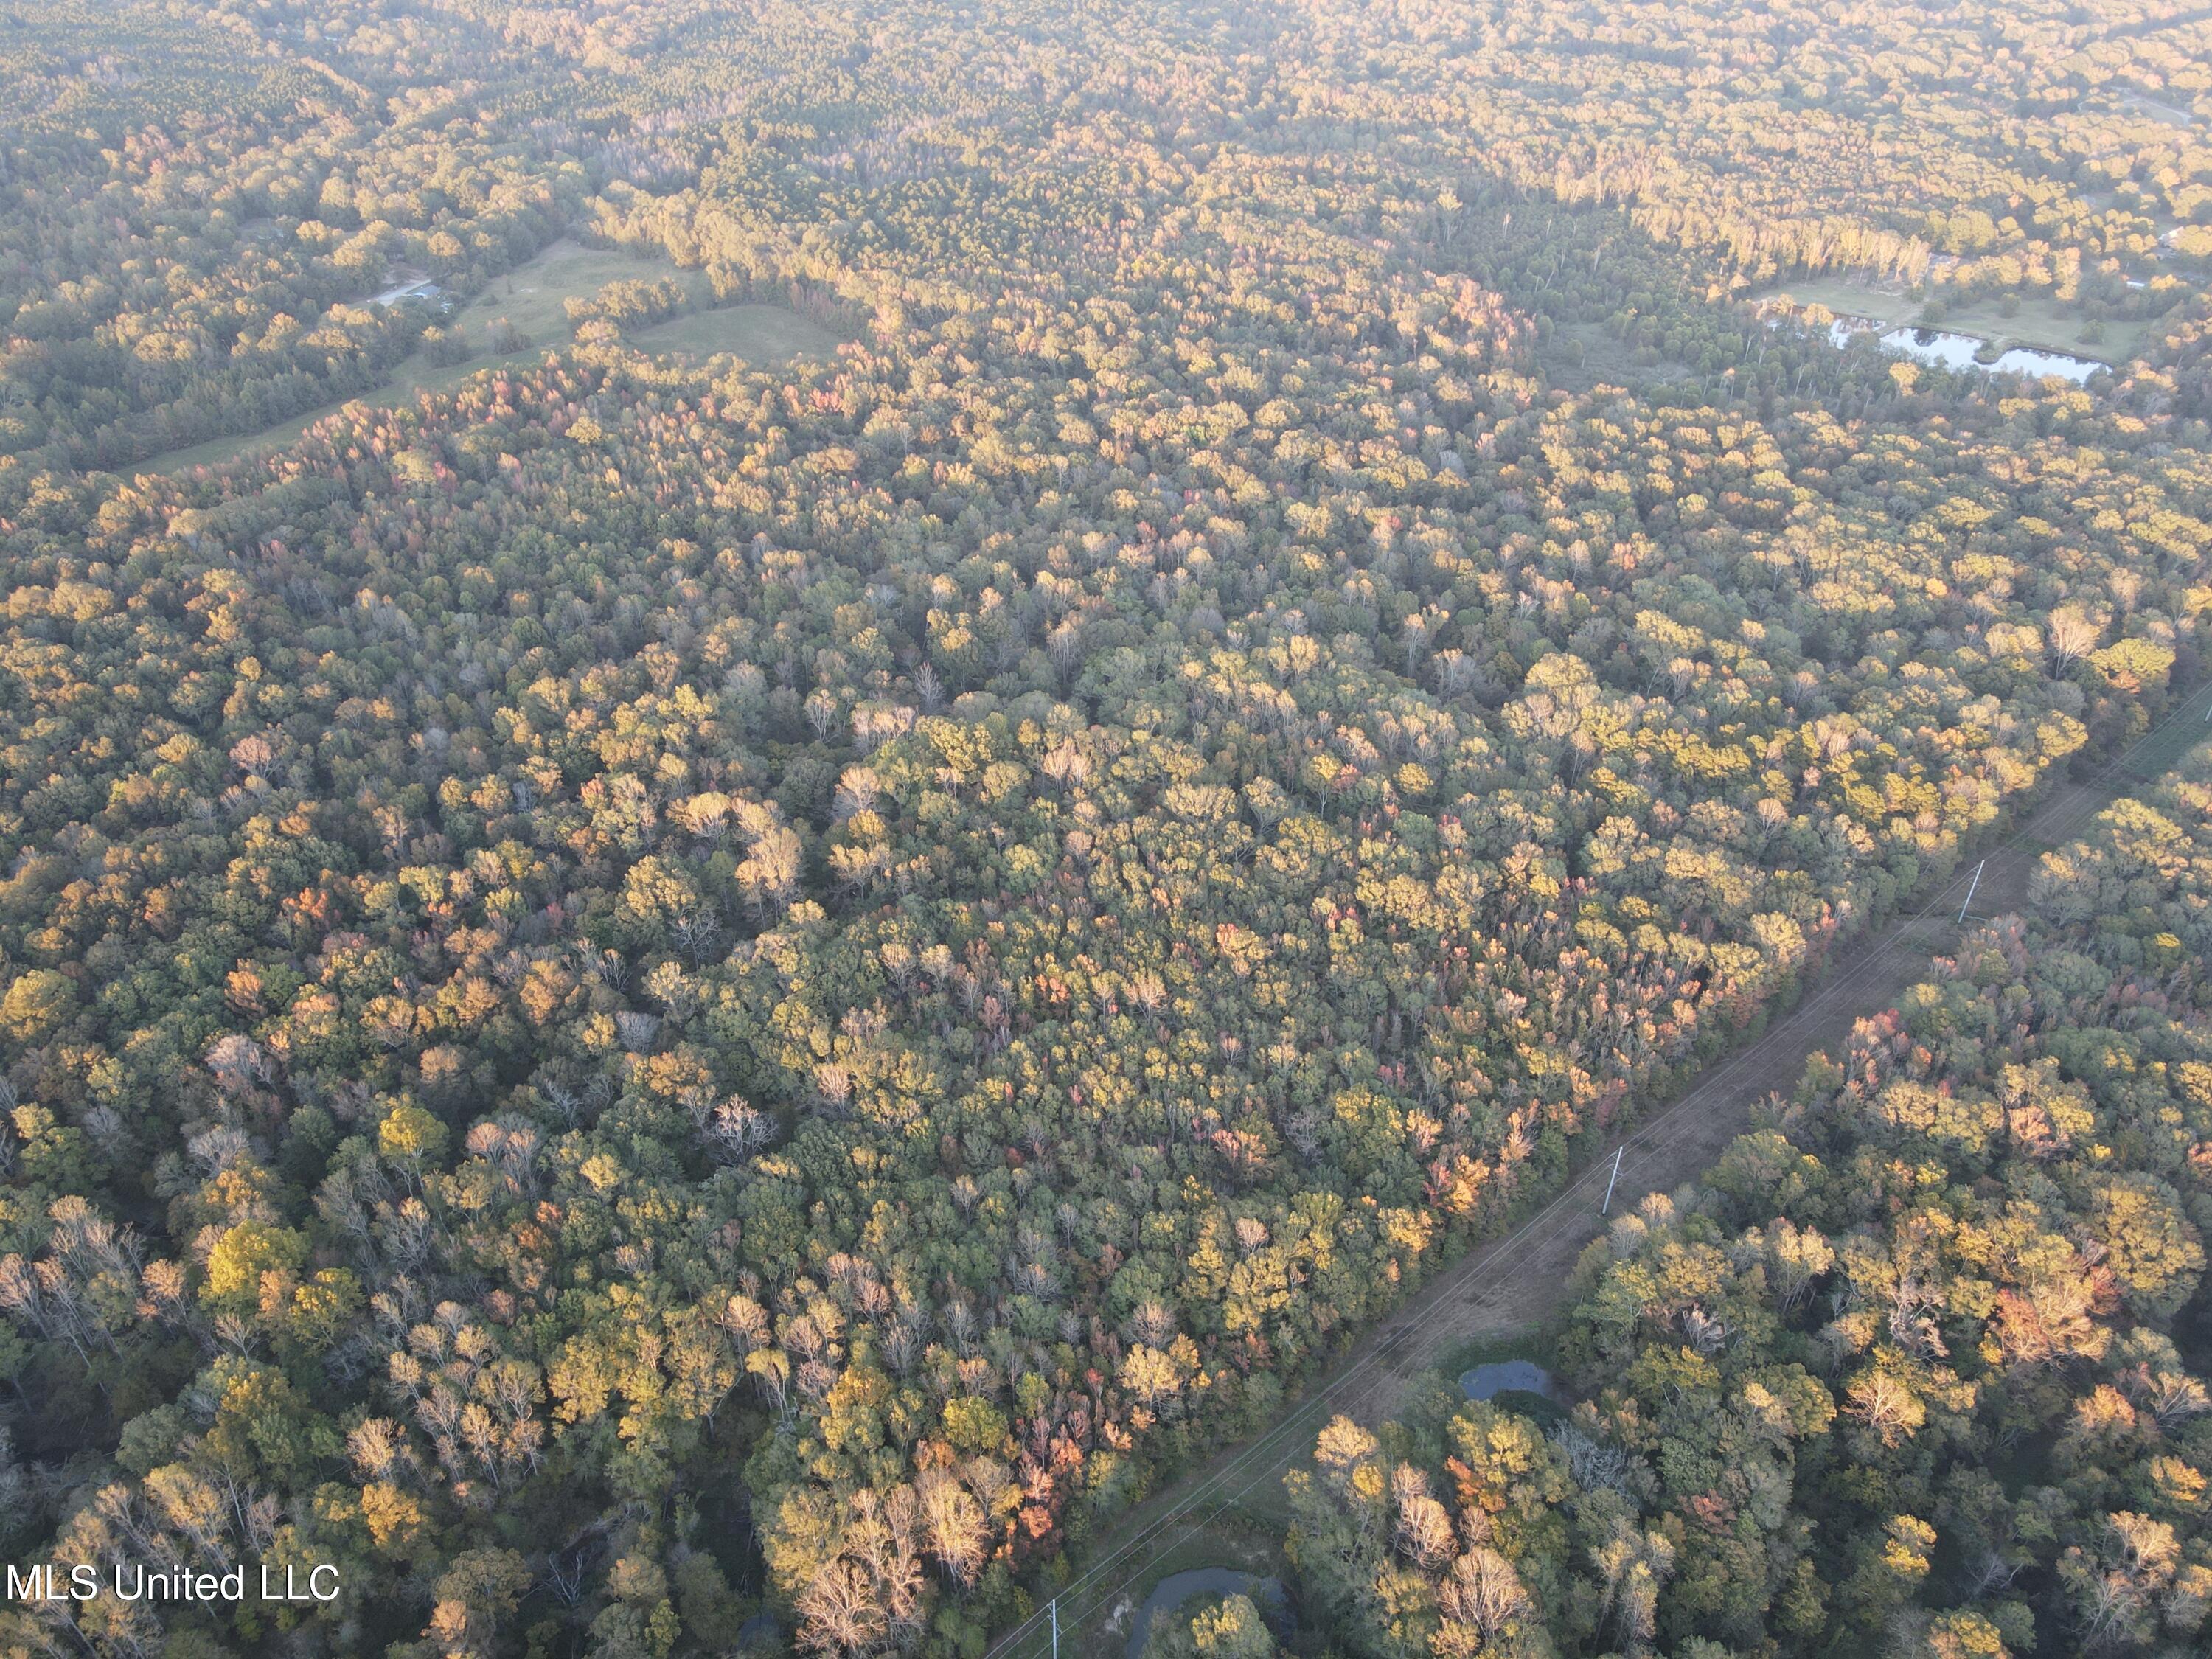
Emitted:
<point x="1957" y="351"/>
<point x="1482" y="1382"/>
<point x="1933" y="345"/>
<point x="1178" y="1588"/>
<point x="2025" y="360"/>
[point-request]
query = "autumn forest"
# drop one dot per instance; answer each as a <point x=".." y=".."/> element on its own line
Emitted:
<point x="790" y="795"/>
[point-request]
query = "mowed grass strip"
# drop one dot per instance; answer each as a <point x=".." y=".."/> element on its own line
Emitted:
<point x="2044" y="323"/>
<point x="757" y="333"/>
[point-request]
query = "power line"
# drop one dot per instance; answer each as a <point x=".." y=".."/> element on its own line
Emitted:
<point x="1557" y="1212"/>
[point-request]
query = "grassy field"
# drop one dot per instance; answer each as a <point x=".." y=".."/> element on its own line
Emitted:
<point x="760" y="334"/>
<point x="2037" y="323"/>
<point x="533" y="297"/>
<point x="2156" y="111"/>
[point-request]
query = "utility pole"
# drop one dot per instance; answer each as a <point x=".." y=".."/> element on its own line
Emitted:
<point x="1055" y="1628"/>
<point x="1609" y="1185"/>
<point x="1970" y="886"/>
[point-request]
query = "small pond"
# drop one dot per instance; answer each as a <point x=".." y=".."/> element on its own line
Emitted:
<point x="1507" y="1376"/>
<point x="1934" y="346"/>
<point x="2025" y="360"/>
<point x="1178" y="1588"/>
<point x="1956" y="352"/>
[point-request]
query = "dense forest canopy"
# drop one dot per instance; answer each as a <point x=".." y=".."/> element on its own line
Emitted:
<point x="654" y="989"/>
<point x="1902" y="1375"/>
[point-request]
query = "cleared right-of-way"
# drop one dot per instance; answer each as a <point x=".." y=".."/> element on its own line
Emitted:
<point x="1518" y="1280"/>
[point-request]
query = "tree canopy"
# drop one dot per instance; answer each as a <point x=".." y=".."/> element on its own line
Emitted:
<point x="659" y="988"/>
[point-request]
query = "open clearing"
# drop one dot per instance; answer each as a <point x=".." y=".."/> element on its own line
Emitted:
<point x="1499" y="1298"/>
<point x="533" y="297"/>
<point x="2151" y="107"/>
<point x="760" y="334"/>
<point x="2044" y="323"/>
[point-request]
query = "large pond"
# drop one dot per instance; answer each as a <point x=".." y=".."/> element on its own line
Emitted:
<point x="1956" y="352"/>
<point x="1507" y="1376"/>
<point x="1178" y="1588"/>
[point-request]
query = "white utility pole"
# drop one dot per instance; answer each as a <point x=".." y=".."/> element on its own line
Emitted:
<point x="1609" y="1185"/>
<point x="1055" y="1628"/>
<point x="1970" y="886"/>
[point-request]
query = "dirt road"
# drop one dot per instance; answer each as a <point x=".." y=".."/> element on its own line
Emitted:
<point x="1517" y="1281"/>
